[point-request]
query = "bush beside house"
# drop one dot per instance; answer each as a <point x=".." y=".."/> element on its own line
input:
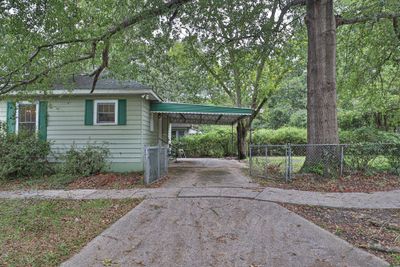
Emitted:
<point x="25" y="155"/>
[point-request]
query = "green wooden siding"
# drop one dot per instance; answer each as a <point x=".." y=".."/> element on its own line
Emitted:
<point x="150" y="138"/>
<point x="66" y="125"/>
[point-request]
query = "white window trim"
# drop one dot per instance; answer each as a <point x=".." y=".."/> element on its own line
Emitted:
<point x="96" y="102"/>
<point x="17" y="114"/>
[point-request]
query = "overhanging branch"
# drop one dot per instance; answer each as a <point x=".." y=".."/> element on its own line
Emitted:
<point x="348" y="21"/>
<point x="10" y="84"/>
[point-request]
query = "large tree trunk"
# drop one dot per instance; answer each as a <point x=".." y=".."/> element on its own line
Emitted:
<point x="241" y="139"/>
<point x="321" y="77"/>
<point x="321" y="73"/>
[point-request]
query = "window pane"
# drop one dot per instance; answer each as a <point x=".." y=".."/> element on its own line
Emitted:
<point x="105" y="112"/>
<point x="27" y="118"/>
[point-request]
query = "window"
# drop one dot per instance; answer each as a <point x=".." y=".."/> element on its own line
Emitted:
<point x="27" y="117"/>
<point x="106" y="112"/>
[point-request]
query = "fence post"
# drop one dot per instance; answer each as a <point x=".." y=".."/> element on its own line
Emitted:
<point x="146" y="165"/>
<point x="250" y="160"/>
<point x="158" y="161"/>
<point x="341" y="160"/>
<point x="266" y="161"/>
<point x="289" y="162"/>
<point x="166" y="160"/>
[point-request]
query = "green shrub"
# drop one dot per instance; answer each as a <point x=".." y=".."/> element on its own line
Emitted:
<point x="217" y="141"/>
<point x="91" y="159"/>
<point x="22" y="156"/>
<point x="393" y="158"/>
<point x="214" y="142"/>
<point x="280" y="136"/>
<point x="368" y="135"/>
<point x="372" y="150"/>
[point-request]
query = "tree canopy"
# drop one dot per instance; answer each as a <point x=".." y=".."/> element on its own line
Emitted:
<point x="242" y="53"/>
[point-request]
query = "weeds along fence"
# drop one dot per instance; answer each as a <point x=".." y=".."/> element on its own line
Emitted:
<point x="155" y="163"/>
<point x="323" y="160"/>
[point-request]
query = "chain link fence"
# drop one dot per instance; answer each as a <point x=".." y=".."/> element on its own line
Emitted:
<point x="321" y="160"/>
<point x="155" y="163"/>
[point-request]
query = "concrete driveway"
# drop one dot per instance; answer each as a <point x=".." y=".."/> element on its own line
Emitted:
<point x="217" y="232"/>
<point x="207" y="172"/>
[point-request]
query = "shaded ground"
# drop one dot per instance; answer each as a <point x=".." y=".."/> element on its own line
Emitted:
<point x="373" y="230"/>
<point x="217" y="232"/>
<point x="114" y="181"/>
<point x="354" y="183"/>
<point x="99" y="181"/>
<point x="207" y="172"/>
<point x="46" y="232"/>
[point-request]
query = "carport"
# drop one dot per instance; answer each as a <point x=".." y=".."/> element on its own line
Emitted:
<point x="200" y="114"/>
<point x="155" y="161"/>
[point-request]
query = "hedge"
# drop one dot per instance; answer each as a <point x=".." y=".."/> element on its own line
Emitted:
<point x="216" y="141"/>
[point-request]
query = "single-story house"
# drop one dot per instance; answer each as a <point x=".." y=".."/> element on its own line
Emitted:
<point x="126" y="116"/>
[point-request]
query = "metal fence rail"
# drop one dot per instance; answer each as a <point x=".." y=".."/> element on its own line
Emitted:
<point x="155" y="163"/>
<point x="322" y="160"/>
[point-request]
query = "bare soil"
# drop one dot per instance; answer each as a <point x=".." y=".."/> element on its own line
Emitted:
<point x="353" y="183"/>
<point x="98" y="181"/>
<point x="372" y="230"/>
<point x="113" y="181"/>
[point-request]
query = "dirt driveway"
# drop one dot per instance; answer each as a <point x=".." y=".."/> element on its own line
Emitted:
<point x="208" y="172"/>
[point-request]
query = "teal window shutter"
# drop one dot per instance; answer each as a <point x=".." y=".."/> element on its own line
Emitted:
<point x="89" y="112"/>
<point x="43" y="120"/>
<point x="122" y="112"/>
<point x="11" y="118"/>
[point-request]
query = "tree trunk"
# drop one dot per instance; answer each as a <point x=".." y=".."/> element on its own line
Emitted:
<point x="241" y="139"/>
<point x="321" y="73"/>
<point x="322" y="125"/>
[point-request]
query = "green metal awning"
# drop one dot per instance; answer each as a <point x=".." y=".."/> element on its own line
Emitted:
<point x="200" y="114"/>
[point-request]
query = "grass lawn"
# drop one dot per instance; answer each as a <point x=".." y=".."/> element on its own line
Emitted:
<point x="47" y="232"/>
<point x="377" y="231"/>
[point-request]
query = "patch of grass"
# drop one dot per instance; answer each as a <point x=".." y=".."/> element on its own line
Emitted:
<point x="47" y="232"/>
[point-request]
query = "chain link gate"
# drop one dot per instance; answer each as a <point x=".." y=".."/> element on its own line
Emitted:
<point x="155" y="163"/>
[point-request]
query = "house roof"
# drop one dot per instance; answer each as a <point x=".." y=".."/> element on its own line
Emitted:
<point x="82" y="85"/>
<point x="83" y="82"/>
<point x="200" y="114"/>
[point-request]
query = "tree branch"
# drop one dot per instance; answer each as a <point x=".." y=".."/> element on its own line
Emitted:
<point x="104" y="64"/>
<point x="396" y="27"/>
<point x="212" y="72"/>
<point x="343" y="21"/>
<point x="128" y="22"/>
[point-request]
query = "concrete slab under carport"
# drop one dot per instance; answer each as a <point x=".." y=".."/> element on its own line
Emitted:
<point x="218" y="232"/>
<point x="207" y="172"/>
